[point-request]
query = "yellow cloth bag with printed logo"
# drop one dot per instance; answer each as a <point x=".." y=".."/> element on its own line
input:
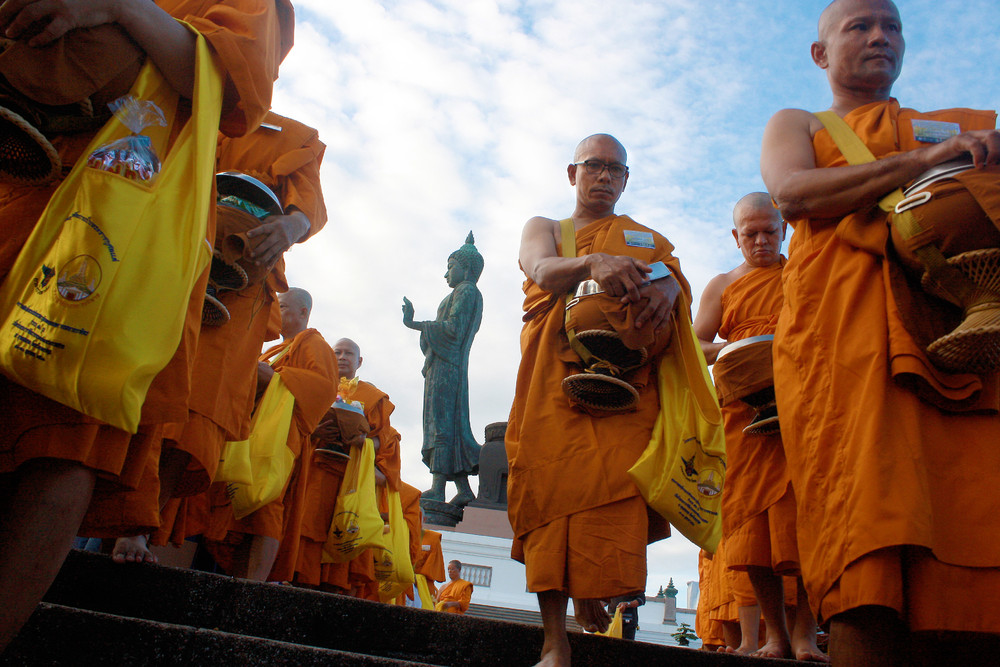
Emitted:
<point x="93" y="307"/>
<point x="266" y="452"/>
<point x="393" y="567"/>
<point x="357" y="524"/>
<point x="681" y="472"/>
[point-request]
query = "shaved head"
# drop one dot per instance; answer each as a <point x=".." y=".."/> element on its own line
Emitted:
<point x="347" y="342"/>
<point x="301" y="297"/>
<point x="755" y="202"/>
<point x="837" y="9"/>
<point x="348" y="356"/>
<point x="585" y="146"/>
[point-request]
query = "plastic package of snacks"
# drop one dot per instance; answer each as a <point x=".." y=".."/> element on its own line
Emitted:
<point x="133" y="156"/>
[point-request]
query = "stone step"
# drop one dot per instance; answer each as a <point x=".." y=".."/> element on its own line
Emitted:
<point x="200" y="600"/>
<point x="529" y="616"/>
<point x="57" y="635"/>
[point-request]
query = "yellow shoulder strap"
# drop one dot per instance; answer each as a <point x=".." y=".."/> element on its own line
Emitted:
<point x="568" y="237"/>
<point x="854" y="149"/>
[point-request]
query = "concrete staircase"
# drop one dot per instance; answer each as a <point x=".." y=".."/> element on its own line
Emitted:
<point x="527" y="616"/>
<point x="100" y="613"/>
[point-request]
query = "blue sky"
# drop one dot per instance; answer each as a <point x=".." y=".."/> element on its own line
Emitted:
<point x="450" y="115"/>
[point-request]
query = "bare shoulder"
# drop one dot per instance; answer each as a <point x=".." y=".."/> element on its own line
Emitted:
<point x="717" y="285"/>
<point x="794" y="121"/>
<point x="539" y="224"/>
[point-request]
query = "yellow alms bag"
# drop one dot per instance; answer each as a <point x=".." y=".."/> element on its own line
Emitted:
<point x="93" y="307"/>
<point x="267" y="454"/>
<point x="393" y="567"/>
<point x="357" y="524"/>
<point x="681" y="472"/>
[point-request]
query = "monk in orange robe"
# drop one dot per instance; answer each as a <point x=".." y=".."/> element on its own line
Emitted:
<point x="758" y="504"/>
<point x="248" y="547"/>
<point x="285" y="155"/>
<point x="455" y="596"/>
<point x="51" y="457"/>
<point x="429" y="563"/>
<point x="568" y="489"/>
<point x="896" y="536"/>
<point x="710" y="633"/>
<point x="326" y="475"/>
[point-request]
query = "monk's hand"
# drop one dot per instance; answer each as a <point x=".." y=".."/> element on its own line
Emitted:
<point x="42" y="21"/>
<point x="618" y="275"/>
<point x="278" y="234"/>
<point x="982" y="145"/>
<point x="662" y="295"/>
<point x="264" y="374"/>
<point x="328" y="432"/>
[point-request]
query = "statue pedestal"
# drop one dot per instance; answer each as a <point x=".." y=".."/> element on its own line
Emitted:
<point x="440" y="513"/>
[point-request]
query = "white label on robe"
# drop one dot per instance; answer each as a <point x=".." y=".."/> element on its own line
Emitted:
<point x="934" y="131"/>
<point x="637" y="239"/>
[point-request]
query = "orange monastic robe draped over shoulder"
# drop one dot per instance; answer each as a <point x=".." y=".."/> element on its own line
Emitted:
<point x="756" y="472"/>
<point x="249" y="38"/>
<point x="308" y="369"/>
<point x="875" y="468"/>
<point x="324" y="485"/>
<point x="459" y="591"/>
<point x="564" y="462"/>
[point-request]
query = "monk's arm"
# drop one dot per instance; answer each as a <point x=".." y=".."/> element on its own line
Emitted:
<point x="167" y="42"/>
<point x="801" y="190"/>
<point x="709" y="318"/>
<point x="540" y="260"/>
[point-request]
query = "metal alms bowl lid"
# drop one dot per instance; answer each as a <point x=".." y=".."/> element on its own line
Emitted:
<point x="939" y="172"/>
<point x="743" y="343"/>
<point x="236" y="184"/>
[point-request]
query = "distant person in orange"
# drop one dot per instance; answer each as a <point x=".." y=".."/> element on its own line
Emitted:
<point x="327" y="473"/>
<point x="580" y="525"/>
<point x="758" y="504"/>
<point x="893" y="473"/>
<point x="53" y="458"/>
<point x="285" y="155"/>
<point x="248" y="547"/>
<point x="429" y="563"/>
<point x="455" y="596"/>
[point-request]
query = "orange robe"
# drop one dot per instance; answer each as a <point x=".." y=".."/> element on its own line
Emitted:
<point x="890" y="490"/>
<point x="249" y="37"/>
<point x="756" y="473"/>
<point x="567" y="468"/>
<point x="459" y="591"/>
<point x="308" y="369"/>
<point x="224" y="378"/>
<point x="324" y="486"/>
<point x="709" y="631"/>
<point x="430" y="560"/>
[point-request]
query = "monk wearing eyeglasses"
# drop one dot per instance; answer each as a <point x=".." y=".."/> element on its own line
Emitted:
<point x="580" y="524"/>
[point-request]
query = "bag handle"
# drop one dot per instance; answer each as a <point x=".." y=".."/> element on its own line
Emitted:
<point x="948" y="278"/>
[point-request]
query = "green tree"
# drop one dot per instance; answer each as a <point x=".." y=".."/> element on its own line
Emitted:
<point x="684" y="634"/>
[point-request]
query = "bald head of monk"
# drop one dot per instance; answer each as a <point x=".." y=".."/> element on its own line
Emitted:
<point x="598" y="173"/>
<point x="860" y="46"/>
<point x="758" y="229"/>
<point x="348" y="357"/>
<point x="296" y="305"/>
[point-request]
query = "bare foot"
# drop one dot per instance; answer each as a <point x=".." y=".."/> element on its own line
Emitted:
<point x="807" y="650"/>
<point x="555" y="653"/>
<point x="132" y="550"/>
<point x="591" y="615"/>
<point x="742" y="649"/>
<point x="774" y="649"/>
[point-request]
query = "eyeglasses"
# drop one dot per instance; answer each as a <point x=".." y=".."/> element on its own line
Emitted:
<point x="595" y="167"/>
